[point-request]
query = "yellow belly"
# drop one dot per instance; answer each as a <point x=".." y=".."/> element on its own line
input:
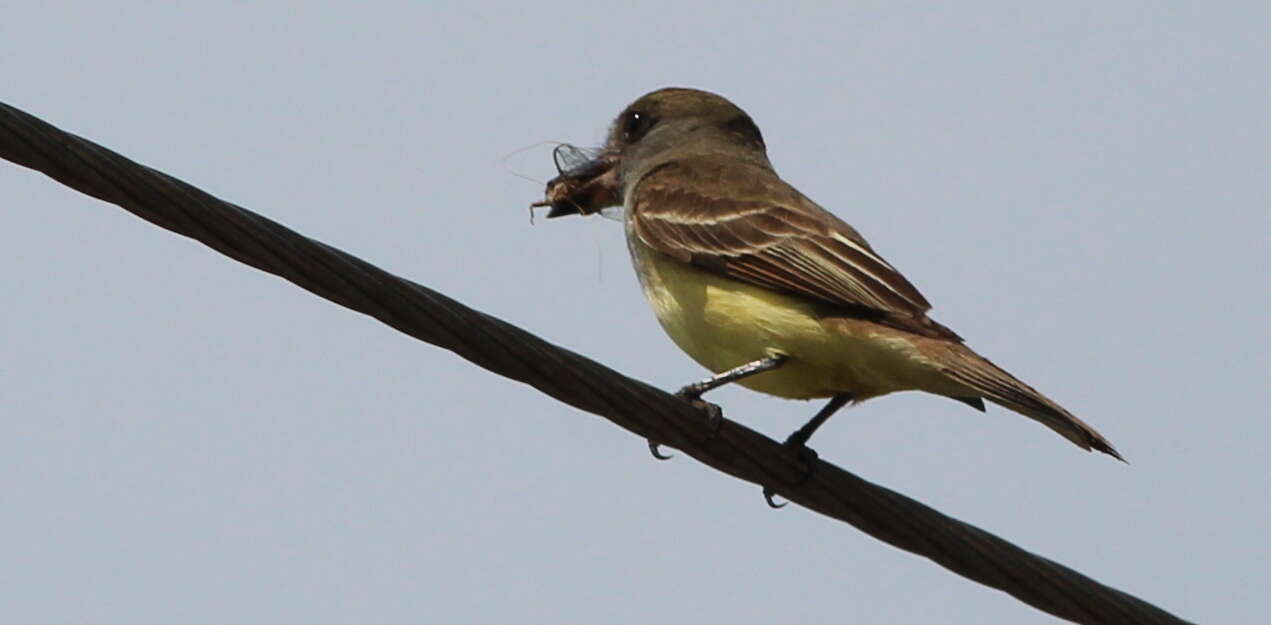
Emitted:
<point x="722" y="323"/>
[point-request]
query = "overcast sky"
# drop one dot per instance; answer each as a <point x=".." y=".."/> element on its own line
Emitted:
<point x="1081" y="190"/>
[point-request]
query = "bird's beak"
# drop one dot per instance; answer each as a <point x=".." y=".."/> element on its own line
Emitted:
<point x="583" y="190"/>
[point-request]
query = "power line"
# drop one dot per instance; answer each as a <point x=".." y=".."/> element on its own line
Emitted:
<point x="569" y="377"/>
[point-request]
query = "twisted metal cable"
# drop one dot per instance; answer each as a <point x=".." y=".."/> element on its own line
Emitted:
<point x="509" y="351"/>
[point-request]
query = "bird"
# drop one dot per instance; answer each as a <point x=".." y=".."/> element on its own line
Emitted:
<point x="764" y="287"/>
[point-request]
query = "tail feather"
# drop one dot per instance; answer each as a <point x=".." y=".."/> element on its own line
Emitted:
<point x="996" y="385"/>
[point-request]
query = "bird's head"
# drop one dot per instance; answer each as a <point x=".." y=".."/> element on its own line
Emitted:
<point x="661" y="127"/>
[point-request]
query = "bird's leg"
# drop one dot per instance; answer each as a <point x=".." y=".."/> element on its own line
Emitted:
<point x="800" y="436"/>
<point x="799" y="440"/>
<point x="693" y="392"/>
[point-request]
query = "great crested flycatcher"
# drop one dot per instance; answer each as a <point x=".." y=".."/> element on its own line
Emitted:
<point x="764" y="287"/>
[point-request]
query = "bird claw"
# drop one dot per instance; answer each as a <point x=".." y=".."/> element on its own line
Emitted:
<point x="714" y="417"/>
<point x="714" y="414"/>
<point x="807" y="457"/>
<point x="655" y="447"/>
<point x="768" y="494"/>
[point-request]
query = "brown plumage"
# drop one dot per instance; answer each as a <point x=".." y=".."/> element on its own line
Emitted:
<point x="739" y="266"/>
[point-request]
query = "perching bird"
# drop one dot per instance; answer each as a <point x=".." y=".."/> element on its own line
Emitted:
<point x="764" y="287"/>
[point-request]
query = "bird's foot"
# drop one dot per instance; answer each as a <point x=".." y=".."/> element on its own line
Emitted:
<point x="714" y="415"/>
<point x="806" y="457"/>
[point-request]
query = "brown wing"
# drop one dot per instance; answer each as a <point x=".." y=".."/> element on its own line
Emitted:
<point x="745" y="223"/>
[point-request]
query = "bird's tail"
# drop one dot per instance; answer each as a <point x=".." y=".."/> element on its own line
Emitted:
<point x="992" y="383"/>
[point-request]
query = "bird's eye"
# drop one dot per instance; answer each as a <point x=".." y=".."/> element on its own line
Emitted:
<point x="635" y="124"/>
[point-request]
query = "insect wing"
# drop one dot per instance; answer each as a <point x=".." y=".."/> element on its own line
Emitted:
<point x="571" y="159"/>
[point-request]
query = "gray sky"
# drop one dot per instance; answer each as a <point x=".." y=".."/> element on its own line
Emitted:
<point x="1081" y="190"/>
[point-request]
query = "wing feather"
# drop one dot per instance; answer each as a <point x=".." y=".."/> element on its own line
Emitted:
<point x="745" y="223"/>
